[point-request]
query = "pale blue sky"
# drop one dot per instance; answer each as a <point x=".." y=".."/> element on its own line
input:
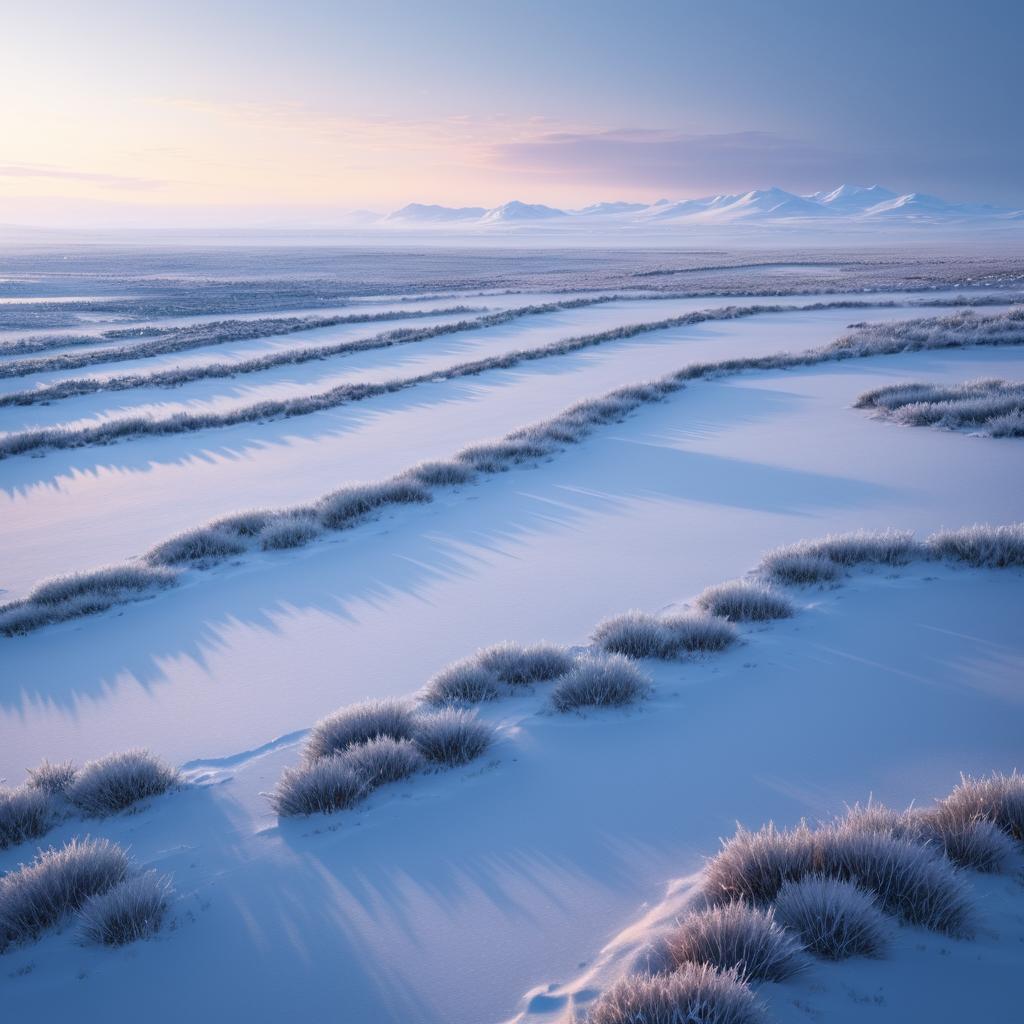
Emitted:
<point x="363" y="103"/>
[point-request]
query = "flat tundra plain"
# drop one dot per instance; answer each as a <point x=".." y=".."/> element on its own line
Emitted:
<point x="412" y="456"/>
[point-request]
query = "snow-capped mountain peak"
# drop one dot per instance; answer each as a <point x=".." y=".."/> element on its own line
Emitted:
<point x="517" y="211"/>
<point x="763" y="208"/>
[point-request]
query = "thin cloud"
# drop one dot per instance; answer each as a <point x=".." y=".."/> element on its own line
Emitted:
<point x="89" y="177"/>
<point x="671" y="160"/>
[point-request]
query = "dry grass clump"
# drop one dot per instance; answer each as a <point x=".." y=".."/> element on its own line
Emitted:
<point x="201" y="545"/>
<point x="974" y="403"/>
<point x="328" y="784"/>
<point x="968" y="842"/>
<point x="696" y="632"/>
<point x="908" y="879"/>
<point x="745" y="601"/>
<point x="384" y="760"/>
<point x="360" y="723"/>
<point x="796" y="567"/>
<point x="753" y="866"/>
<point x="834" y="919"/>
<point x="291" y="531"/>
<point x="497" y="456"/>
<point x="737" y="936"/>
<point x="812" y="561"/>
<point x="83" y="593"/>
<point x="131" y="910"/>
<point x="37" y="896"/>
<point x="463" y="682"/>
<point x="693" y="994"/>
<point x="637" y="634"/>
<point x="599" y="681"/>
<point x="964" y="836"/>
<point x="996" y="797"/>
<point x="1009" y="425"/>
<point x="442" y="473"/>
<point x="994" y="547"/>
<point x="346" y="506"/>
<point x="117" y="781"/>
<point x="54" y="779"/>
<point x="518" y="664"/>
<point x="452" y="736"/>
<point x="25" y="813"/>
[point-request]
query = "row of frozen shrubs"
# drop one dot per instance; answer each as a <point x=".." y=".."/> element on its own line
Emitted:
<point x="355" y="749"/>
<point x="358" y="748"/>
<point x="77" y="594"/>
<point x="607" y="678"/>
<point x="775" y="898"/>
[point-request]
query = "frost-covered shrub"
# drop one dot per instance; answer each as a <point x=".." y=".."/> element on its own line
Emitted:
<point x="995" y="547"/>
<point x="322" y="786"/>
<point x="289" y="532"/>
<point x="966" y="838"/>
<point x="807" y="561"/>
<point x="753" y="866"/>
<point x="243" y="524"/>
<point x="797" y="568"/>
<point x="518" y="663"/>
<point x="736" y="936"/>
<point x="83" y="593"/>
<point x="694" y="994"/>
<point x="384" y="760"/>
<point x="693" y="632"/>
<point x="452" y="736"/>
<point x="360" y="723"/>
<point x="200" y="545"/>
<point x="635" y="634"/>
<point x="833" y="919"/>
<point x="131" y="910"/>
<point x="447" y="473"/>
<point x="1009" y="425"/>
<point x="638" y="634"/>
<point x="745" y="601"/>
<point x="910" y="880"/>
<point x="57" y="882"/>
<point x="968" y="842"/>
<point x="464" y="682"/>
<point x="997" y="798"/>
<point x="25" y="813"/>
<point x="495" y="456"/>
<point x="115" y="782"/>
<point x="112" y="583"/>
<point x="52" y="778"/>
<point x="974" y="403"/>
<point x="346" y="506"/>
<point x="606" y="681"/>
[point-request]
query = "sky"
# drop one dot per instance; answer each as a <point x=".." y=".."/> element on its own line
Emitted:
<point x="219" y="112"/>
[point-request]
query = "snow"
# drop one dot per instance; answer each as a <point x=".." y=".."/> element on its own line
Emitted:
<point x="56" y="509"/>
<point x="448" y="898"/>
<point x="515" y="888"/>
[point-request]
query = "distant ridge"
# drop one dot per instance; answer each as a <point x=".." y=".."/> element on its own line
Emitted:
<point x="845" y="204"/>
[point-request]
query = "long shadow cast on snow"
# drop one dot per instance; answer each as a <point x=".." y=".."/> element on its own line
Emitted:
<point x="411" y="550"/>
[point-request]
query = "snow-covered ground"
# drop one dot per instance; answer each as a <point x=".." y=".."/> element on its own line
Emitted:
<point x="496" y="892"/>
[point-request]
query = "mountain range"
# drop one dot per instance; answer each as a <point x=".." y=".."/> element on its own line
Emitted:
<point x="845" y="205"/>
